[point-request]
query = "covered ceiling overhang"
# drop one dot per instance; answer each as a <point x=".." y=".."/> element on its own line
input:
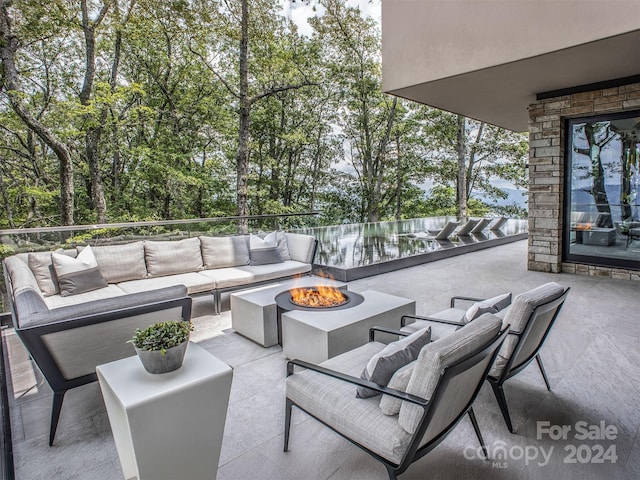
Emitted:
<point x="497" y="80"/>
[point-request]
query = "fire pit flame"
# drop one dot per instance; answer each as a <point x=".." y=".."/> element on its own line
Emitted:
<point x="322" y="296"/>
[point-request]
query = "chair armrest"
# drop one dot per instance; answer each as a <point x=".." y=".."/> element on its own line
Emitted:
<point x="430" y="319"/>
<point x="393" y="331"/>
<point x="468" y="299"/>
<point x="357" y="381"/>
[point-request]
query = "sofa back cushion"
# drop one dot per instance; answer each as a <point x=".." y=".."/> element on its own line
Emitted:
<point x="121" y="263"/>
<point x="221" y="252"/>
<point x="301" y="247"/>
<point x="42" y="267"/>
<point x="170" y="258"/>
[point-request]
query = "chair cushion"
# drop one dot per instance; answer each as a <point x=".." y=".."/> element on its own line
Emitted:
<point x="171" y="257"/>
<point x="221" y="252"/>
<point x="436" y="356"/>
<point x="517" y="317"/>
<point x="42" y="267"/>
<point x="120" y="263"/>
<point x="265" y="256"/>
<point x="77" y="275"/>
<point x="490" y="305"/>
<point x="397" y="354"/>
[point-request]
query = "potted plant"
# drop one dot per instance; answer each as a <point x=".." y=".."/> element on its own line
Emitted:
<point x="161" y="346"/>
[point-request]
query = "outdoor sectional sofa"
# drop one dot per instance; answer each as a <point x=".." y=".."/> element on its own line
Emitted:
<point x="75" y="309"/>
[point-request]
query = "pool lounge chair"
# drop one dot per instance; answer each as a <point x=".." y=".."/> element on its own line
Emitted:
<point x="467" y="228"/>
<point x="498" y="223"/>
<point x="444" y="233"/>
<point x="481" y="225"/>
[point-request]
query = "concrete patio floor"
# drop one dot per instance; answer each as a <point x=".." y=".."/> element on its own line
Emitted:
<point x="592" y="358"/>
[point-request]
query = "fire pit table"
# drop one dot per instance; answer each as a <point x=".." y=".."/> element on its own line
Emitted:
<point x="315" y="335"/>
<point x="253" y="312"/>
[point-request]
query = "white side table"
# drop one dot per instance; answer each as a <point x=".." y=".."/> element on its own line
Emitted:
<point x="168" y="426"/>
<point x="254" y="313"/>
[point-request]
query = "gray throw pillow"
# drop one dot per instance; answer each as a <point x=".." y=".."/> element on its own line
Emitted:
<point x="385" y="363"/>
<point x="265" y="256"/>
<point x="77" y="275"/>
<point x="280" y="239"/>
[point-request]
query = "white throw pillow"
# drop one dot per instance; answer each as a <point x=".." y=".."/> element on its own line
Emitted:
<point x="77" y="275"/>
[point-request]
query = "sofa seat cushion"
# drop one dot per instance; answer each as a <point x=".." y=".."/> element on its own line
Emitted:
<point x="333" y="401"/>
<point x="57" y="301"/>
<point x="194" y="282"/>
<point x="237" y="276"/>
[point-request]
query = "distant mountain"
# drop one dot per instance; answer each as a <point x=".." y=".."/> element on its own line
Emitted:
<point x="517" y="196"/>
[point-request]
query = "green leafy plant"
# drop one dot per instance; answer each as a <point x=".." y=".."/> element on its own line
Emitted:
<point x="162" y="336"/>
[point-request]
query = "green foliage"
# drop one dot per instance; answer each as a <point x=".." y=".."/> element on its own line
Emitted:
<point x="168" y="119"/>
<point x="162" y="336"/>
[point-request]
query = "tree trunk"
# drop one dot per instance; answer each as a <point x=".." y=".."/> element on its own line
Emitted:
<point x="94" y="133"/>
<point x="8" y="48"/>
<point x="597" y="171"/>
<point x="242" y="158"/>
<point x="461" y="183"/>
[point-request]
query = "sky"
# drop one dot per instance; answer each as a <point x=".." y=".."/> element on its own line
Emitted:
<point x="300" y="10"/>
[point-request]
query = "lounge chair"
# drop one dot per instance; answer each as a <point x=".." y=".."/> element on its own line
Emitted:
<point x="497" y="224"/>
<point x="531" y="316"/>
<point x="447" y="321"/>
<point x="423" y="402"/>
<point x="444" y="233"/>
<point x="481" y="225"/>
<point x="467" y="228"/>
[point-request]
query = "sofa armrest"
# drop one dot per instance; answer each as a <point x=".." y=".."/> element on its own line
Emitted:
<point x="68" y="351"/>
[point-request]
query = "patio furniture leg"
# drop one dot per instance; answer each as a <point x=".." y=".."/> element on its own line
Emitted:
<point x="498" y="391"/>
<point x="287" y="423"/>
<point x="391" y="472"/>
<point x="216" y="302"/>
<point x="544" y="373"/>
<point x="55" y="414"/>
<point x="474" y="422"/>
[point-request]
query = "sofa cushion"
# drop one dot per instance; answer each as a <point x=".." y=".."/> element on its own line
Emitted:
<point x="385" y="363"/>
<point x="171" y="257"/>
<point x="301" y="247"/>
<point x="77" y="275"/>
<point x="193" y="281"/>
<point x="42" y="267"/>
<point x="435" y="357"/>
<point x="57" y="301"/>
<point x="119" y="263"/>
<point x="238" y="276"/>
<point x="220" y="252"/>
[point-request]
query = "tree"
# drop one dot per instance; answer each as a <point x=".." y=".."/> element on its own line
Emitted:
<point x="9" y="46"/>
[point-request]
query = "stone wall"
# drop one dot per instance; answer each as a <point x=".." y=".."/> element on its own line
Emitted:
<point x="546" y="173"/>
